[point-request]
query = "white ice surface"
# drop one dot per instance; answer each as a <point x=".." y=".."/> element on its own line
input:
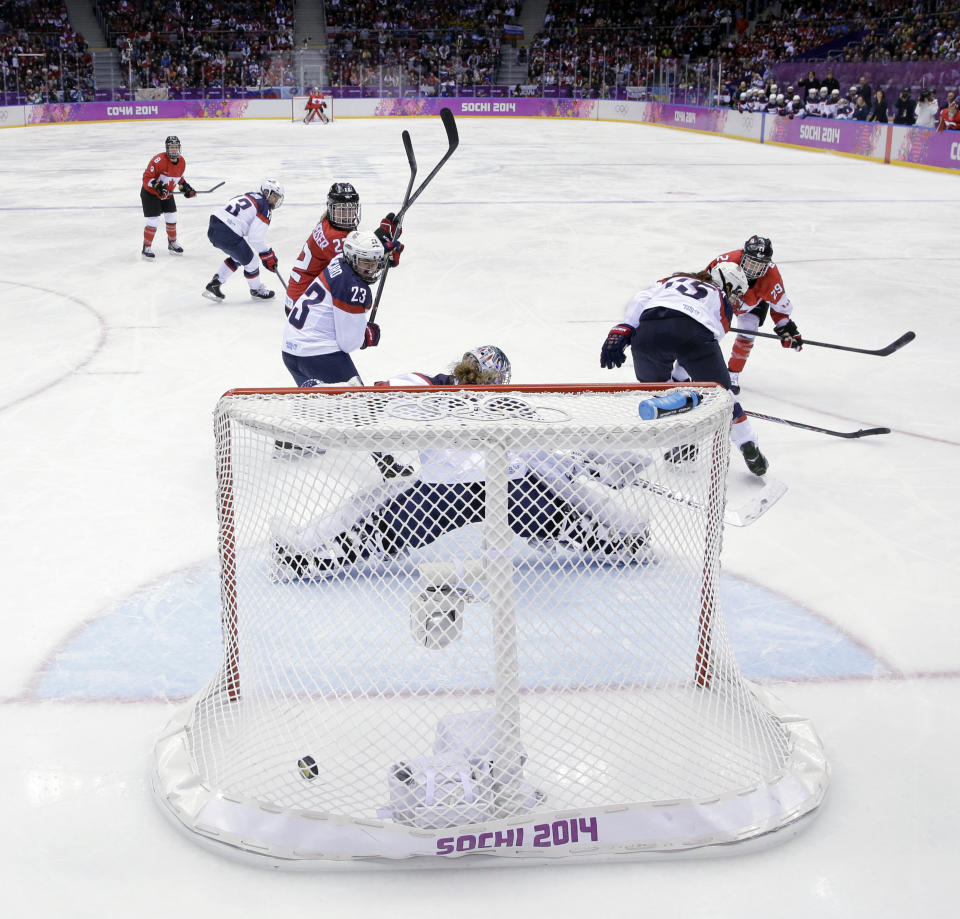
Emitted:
<point x="533" y="237"/>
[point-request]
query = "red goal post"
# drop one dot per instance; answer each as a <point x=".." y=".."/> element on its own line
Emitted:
<point x="516" y="650"/>
<point x="313" y="108"/>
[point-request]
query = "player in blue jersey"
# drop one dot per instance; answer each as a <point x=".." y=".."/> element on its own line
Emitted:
<point x="328" y="321"/>
<point x="239" y="230"/>
<point x="682" y="319"/>
<point x="552" y="497"/>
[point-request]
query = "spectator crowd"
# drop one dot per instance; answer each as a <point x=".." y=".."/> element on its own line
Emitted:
<point x="584" y="47"/>
<point x="409" y="46"/>
<point x="201" y="44"/>
<point x="42" y="58"/>
<point x="813" y="97"/>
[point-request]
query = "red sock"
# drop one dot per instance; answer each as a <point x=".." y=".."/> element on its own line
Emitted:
<point x="741" y="351"/>
<point x="148" y="234"/>
<point x="172" y="232"/>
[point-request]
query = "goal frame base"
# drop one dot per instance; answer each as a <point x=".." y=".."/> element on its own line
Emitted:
<point x="270" y="836"/>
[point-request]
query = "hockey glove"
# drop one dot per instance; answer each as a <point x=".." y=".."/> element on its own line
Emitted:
<point x="160" y="189"/>
<point x="613" y="352"/>
<point x="371" y="337"/>
<point x="269" y="260"/>
<point x="390" y="226"/>
<point x="789" y="335"/>
<point x="393" y="249"/>
<point x="187" y="189"/>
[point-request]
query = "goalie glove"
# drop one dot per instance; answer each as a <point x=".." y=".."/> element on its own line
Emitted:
<point x="789" y="335"/>
<point x="371" y="336"/>
<point x="187" y="189"/>
<point x="269" y="260"/>
<point x="613" y="352"/>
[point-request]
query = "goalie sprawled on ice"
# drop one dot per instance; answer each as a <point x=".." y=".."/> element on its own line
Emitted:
<point x="555" y="499"/>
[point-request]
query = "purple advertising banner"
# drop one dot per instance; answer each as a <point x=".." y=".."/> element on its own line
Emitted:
<point x="925" y="147"/>
<point x="860" y="138"/>
<point x="134" y="111"/>
<point x="885" y="143"/>
<point x="496" y="108"/>
<point x="685" y="116"/>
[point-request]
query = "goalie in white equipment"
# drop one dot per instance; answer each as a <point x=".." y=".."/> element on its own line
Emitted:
<point x="681" y="319"/>
<point x="554" y="499"/>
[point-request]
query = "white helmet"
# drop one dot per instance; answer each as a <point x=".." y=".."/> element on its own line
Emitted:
<point x="490" y="359"/>
<point x="729" y="277"/>
<point x="364" y="253"/>
<point x="270" y="187"/>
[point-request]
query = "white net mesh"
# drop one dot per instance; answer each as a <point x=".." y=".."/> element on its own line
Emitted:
<point x="444" y="609"/>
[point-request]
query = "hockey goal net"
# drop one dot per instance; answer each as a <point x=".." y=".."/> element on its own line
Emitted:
<point x="480" y="620"/>
<point x="316" y="108"/>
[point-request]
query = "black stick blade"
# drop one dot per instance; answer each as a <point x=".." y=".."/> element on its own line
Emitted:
<point x="904" y="339"/>
<point x="450" y="126"/>
<point x="408" y="147"/>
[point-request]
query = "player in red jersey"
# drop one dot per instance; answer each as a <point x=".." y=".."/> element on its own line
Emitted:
<point x="325" y="242"/>
<point x="316" y="109"/>
<point x="163" y="174"/>
<point x="765" y="293"/>
<point x="950" y="117"/>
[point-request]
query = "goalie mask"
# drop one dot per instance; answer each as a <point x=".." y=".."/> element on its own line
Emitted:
<point x="272" y="190"/>
<point x="729" y="277"/>
<point x="493" y="364"/>
<point x="172" y="147"/>
<point x="757" y="255"/>
<point x="343" y="206"/>
<point x="364" y="253"/>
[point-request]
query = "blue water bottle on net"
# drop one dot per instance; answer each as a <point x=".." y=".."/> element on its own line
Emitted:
<point x="673" y="402"/>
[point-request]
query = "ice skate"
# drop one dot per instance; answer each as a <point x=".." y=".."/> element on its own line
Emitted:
<point x="598" y="540"/>
<point x="322" y="561"/>
<point x="755" y="460"/>
<point x="261" y="293"/>
<point x="148" y="253"/>
<point x="390" y="468"/>
<point x="174" y="248"/>
<point x="683" y="453"/>
<point x="212" y="290"/>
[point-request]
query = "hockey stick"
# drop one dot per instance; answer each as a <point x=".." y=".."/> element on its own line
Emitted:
<point x="412" y="161"/>
<point x="739" y="515"/>
<point x="453" y="141"/>
<point x="904" y="339"/>
<point x="863" y="432"/>
<point x="283" y="280"/>
<point x="204" y="191"/>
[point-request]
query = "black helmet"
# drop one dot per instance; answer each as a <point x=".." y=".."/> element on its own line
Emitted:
<point x="172" y="141"/>
<point x="757" y="255"/>
<point x="343" y="206"/>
